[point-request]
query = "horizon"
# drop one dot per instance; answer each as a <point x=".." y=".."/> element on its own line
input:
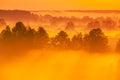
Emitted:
<point x="65" y="9"/>
<point x="58" y="9"/>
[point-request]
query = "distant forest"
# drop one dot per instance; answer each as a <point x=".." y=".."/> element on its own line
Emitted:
<point x="85" y="22"/>
<point x="18" y="15"/>
<point x="22" y="38"/>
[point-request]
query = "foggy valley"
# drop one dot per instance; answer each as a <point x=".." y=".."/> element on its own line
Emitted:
<point x="59" y="45"/>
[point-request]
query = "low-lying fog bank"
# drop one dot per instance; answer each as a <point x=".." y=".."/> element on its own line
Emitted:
<point x="62" y="65"/>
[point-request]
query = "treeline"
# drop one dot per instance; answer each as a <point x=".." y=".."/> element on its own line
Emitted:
<point x="16" y="15"/>
<point x="22" y="38"/>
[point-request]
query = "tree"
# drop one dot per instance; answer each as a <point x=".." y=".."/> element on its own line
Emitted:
<point x="6" y="34"/>
<point x="19" y="30"/>
<point x="70" y="26"/>
<point x="61" y="40"/>
<point x="41" y="38"/>
<point x="109" y="23"/>
<point x="19" y="36"/>
<point x="5" y="40"/>
<point x="30" y="35"/>
<point x="96" y="41"/>
<point x="30" y="32"/>
<point x="94" y="24"/>
<point x="77" y="41"/>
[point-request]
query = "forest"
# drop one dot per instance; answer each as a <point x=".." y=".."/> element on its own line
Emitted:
<point x="22" y="38"/>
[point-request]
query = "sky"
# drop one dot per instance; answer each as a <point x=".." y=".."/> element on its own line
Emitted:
<point x="60" y="4"/>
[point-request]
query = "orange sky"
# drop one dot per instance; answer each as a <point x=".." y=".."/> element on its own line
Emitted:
<point x="60" y="4"/>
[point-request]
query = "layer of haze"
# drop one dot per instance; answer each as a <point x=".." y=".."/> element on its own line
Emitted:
<point x="60" y="4"/>
<point x="62" y="65"/>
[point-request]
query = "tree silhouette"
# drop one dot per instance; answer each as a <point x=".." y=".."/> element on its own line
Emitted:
<point x="19" y="36"/>
<point x="77" y="41"/>
<point x="41" y="38"/>
<point x="94" y="24"/>
<point x="108" y="23"/>
<point x="26" y="38"/>
<point x="30" y="32"/>
<point x="61" y="40"/>
<point x="5" y="39"/>
<point x="19" y="30"/>
<point x="70" y="26"/>
<point x="6" y="34"/>
<point x="30" y="35"/>
<point x="96" y="41"/>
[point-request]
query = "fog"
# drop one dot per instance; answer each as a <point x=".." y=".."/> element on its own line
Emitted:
<point x="76" y="14"/>
<point x="61" y="65"/>
<point x="56" y="50"/>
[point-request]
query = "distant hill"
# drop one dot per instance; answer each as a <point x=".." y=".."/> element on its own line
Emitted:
<point x="95" y="11"/>
<point x="88" y="11"/>
<point x="18" y="15"/>
<point x="63" y="19"/>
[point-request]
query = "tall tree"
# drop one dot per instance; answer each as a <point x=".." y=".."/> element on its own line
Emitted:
<point x="77" y="41"/>
<point x="30" y="32"/>
<point x="61" y="40"/>
<point x="19" y="36"/>
<point x="70" y="26"/>
<point x="6" y="34"/>
<point x="19" y="30"/>
<point x="41" y="38"/>
<point x="96" y="41"/>
<point x="5" y="40"/>
<point x="30" y="35"/>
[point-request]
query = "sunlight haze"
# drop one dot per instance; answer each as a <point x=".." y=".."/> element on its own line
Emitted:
<point x="59" y="39"/>
<point x="60" y="4"/>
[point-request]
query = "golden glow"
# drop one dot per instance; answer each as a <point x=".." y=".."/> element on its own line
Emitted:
<point x="62" y="65"/>
<point x="60" y="4"/>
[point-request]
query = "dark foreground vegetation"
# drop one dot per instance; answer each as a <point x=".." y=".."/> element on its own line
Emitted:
<point x="22" y="38"/>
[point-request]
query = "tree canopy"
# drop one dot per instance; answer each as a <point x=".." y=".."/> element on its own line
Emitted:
<point x="96" y="41"/>
<point x="28" y="38"/>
